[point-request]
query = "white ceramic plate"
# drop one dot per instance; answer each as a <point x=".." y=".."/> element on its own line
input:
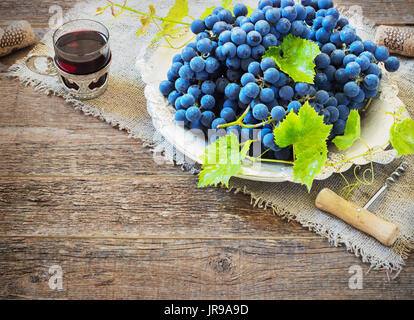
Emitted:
<point x="375" y="126"/>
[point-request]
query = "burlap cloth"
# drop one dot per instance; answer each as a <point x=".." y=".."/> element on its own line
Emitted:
<point x="124" y="105"/>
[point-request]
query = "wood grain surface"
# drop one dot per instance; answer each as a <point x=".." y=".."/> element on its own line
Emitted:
<point x="77" y="193"/>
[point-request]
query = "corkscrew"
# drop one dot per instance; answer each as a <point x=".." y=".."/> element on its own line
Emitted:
<point x="390" y="181"/>
<point x="360" y="218"/>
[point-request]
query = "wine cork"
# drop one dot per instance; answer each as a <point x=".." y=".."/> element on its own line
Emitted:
<point x="398" y="40"/>
<point x="17" y="35"/>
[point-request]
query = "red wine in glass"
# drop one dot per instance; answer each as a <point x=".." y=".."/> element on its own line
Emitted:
<point x="82" y="52"/>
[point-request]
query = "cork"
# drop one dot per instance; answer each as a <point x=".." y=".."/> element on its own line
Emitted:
<point x="398" y="40"/>
<point x="17" y="35"/>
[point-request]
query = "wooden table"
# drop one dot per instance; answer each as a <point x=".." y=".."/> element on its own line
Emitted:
<point x="77" y="193"/>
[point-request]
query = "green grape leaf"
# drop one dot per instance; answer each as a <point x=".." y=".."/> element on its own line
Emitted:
<point x="352" y="132"/>
<point x="222" y="160"/>
<point x="295" y="57"/>
<point x="177" y="12"/>
<point x="402" y="137"/>
<point x="307" y="133"/>
<point x="206" y="13"/>
<point x="227" y="4"/>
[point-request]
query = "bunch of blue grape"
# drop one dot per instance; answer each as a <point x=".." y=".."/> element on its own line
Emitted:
<point x="215" y="78"/>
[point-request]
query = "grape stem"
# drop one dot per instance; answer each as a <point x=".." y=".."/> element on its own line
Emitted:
<point x="239" y="122"/>
<point x="144" y="14"/>
<point x="269" y="160"/>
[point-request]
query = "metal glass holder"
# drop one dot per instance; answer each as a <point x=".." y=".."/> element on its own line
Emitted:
<point x="82" y="87"/>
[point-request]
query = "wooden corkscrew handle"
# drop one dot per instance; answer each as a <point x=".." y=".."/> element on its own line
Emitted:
<point x="358" y="217"/>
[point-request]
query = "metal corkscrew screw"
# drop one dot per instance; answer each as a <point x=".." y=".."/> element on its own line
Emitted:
<point x="390" y="180"/>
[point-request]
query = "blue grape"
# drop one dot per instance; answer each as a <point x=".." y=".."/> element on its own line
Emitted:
<point x="329" y="23"/>
<point x="283" y="26"/>
<point x="334" y="114"/>
<point x="349" y="58"/>
<point x="328" y="48"/>
<point x="343" y="112"/>
<point x="224" y="37"/>
<point x="182" y="85"/>
<point x="342" y="98"/>
<point x="195" y="91"/>
<point x="177" y="58"/>
<point x="252" y="90"/>
<point x="370" y="46"/>
<point x="294" y="106"/>
<point x="369" y="55"/>
<point x="254" y="68"/>
<point x="193" y="114"/>
<point x="245" y="63"/>
<point x="180" y="116"/>
<point x="373" y="69"/>
<point x="357" y="47"/>
<point x="273" y="15"/>
<point x="221" y="84"/>
<point x="232" y="91"/>
<point x="371" y="82"/>
<point x="322" y="96"/>
<point x="198" y="26"/>
<point x="330" y="73"/>
<point x="310" y="13"/>
<point x="219" y="27"/>
<point x="353" y="69"/>
<point x="297" y="28"/>
<point x="188" y="53"/>
<point x="228" y="114"/>
<point x="360" y="97"/>
<point x="172" y="97"/>
<point x="244" y="51"/>
<point x="247" y="27"/>
<point x="300" y="12"/>
<point x="382" y="53"/>
<point x="187" y="100"/>
<point x="217" y="122"/>
<point x="278" y="113"/>
<point x="233" y="63"/>
<point x="226" y="15"/>
<point x="337" y="57"/>
<point x="348" y="36"/>
<point x="270" y="40"/>
<point x="322" y="61"/>
<point x="197" y="64"/>
<point x="301" y="88"/>
<point x="263" y="132"/>
<point x="339" y="127"/>
<point x="258" y="52"/>
<point x="238" y="36"/>
<point x="363" y="62"/>
<point x="332" y="102"/>
<point x="246" y="78"/>
<point x="229" y="103"/>
<point x="322" y="35"/>
<point x="264" y="3"/>
<point x="229" y="50"/>
<point x="286" y="93"/>
<point x="351" y="89"/>
<point x="392" y="64"/>
<point x="208" y="102"/>
<point x="254" y="38"/>
<point x="269" y="142"/>
<point x="289" y="13"/>
<point x="325" y="4"/>
<point x="202" y="35"/>
<point x="240" y="10"/>
<point x="271" y="75"/>
<point x="267" y="95"/>
<point x="342" y="22"/>
<point x="262" y="27"/>
<point x="233" y="75"/>
<point x="208" y="87"/>
<point x="186" y="72"/>
<point x="244" y="99"/>
<point x="210" y="21"/>
<point x="201" y="76"/>
<point x="211" y="65"/>
<point x="166" y="87"/>
<point x="260" y="112"/>
<point x="257" y="15"/>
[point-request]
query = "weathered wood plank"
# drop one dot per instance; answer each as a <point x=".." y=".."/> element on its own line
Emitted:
<point x="141" y="207"/>
<point x="203" y="269"/>
<point x="379" y="11"/>
<point x="43" y="135"/>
